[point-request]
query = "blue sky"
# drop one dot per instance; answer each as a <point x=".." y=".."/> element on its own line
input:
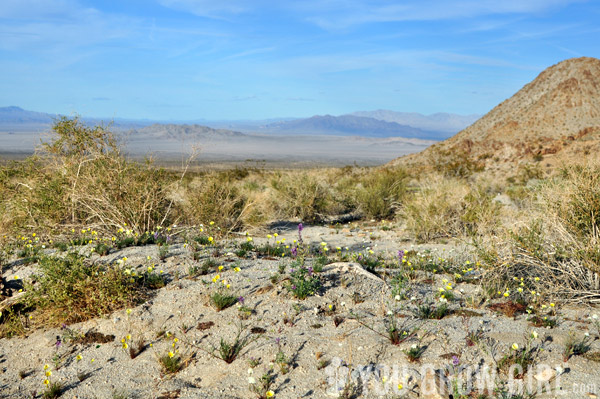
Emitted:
<point x="255" y="59"/>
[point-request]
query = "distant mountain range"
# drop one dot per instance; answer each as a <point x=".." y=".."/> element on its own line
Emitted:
<point x="438" y="122"/>
<point x="380" y="123"/>
<point x="348" y="125"/>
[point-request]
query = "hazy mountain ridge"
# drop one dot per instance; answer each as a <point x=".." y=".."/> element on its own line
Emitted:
<point x="442" y="125"/>
<point x="182" y="131"/>
<point x="349" y="125"/>
<point x="440" y="121"/>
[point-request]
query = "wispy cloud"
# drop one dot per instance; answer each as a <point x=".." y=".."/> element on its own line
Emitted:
<point x="335" y="14"/>
<point x="210" y="8"/>
<point x="250" y="52"/>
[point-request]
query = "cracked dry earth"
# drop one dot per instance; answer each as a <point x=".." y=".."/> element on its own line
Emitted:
<point x="330" y="344"/>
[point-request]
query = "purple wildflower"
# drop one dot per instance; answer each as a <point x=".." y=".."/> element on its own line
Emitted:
<point x="455" y="361"/>
<point x="293" y="287"/>
<point x="401" y="255"/>
<point x="294" y="251"/>
<point x="241" y="300"/>
<point x="300" y="227"/>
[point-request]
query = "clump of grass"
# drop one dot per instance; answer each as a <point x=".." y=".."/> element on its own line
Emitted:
<point x="428" y="311"/>
<point x="393" y="332"/>
<point x="53" y="390"/>
<point x="269" y="249"/>
<point x="381" y="192"/>
<point x="519" y="359"/>
<point x="301" y="195"/>
<point x="229" y="351"/>
<point x="576" y="347"/>
<point x="222" y="300"/>
<point x="216" y="199"/>
<point x="447" y="207"/>
<point x="170" y="362"/>
<point x="415" y="352"/>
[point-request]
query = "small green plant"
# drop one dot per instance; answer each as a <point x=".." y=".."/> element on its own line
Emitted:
<point x="319" y="263"/>
<point x="274" y="279"/>
<point x="543" y="321"/>
<point x="281" y="268"/>
<point x="53" y="389"/>
<point x="394" y="333"/>
<point x="170" y="362"/>
<point x="262" y="387"/>
<point x="203" y="240"/>
<point x="303" y="282"/>
<point x="415" y="352"/>
<point x="519" y="359"/>
<point x="351" y="390"/>
<point x="102" y="249"/>
<point x="323" y="363"/>
<point x="369" y="262"/>
<point x="229" y="351"/>
<point x="281" y="359"/>
<point x="428" y="311"/>
<point x="245" y="312"/>
<point x="163" y="251"/>
<point x="120" y="394"/>
<point x="504" y="391"/>
<point x="253" y="362"/>
<point x="222" y="300"/>
<point x="576" y="347"/>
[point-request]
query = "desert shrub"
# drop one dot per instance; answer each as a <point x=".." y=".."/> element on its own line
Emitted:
<point x="543" y="257"/>
<point x="379" y="193"/>
<point x="574" y="197"/>
<point x="84" y="179"/>
<point x="31" y="195"/>
<point x="301" y="195"/>
<point x="69" y="290"/>
<point x="454" y="163"/>
<point x="445" y="207"/>
<point x="556" y="252"/>
<point x="211" y="198"/>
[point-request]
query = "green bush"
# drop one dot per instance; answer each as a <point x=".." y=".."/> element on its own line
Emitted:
<point x="380" y="192"/>
<point x="301" y="195"/>
<point x="70" y="290"/>
<point x="212" y="199"/>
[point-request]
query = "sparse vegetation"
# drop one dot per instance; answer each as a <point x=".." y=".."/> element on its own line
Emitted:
<point x="85" y="206"/>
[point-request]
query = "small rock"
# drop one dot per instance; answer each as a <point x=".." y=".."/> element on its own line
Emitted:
<point x="545" y="375"/>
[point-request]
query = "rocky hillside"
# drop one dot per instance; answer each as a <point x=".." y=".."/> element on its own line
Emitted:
<point x="552" y="120"/>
